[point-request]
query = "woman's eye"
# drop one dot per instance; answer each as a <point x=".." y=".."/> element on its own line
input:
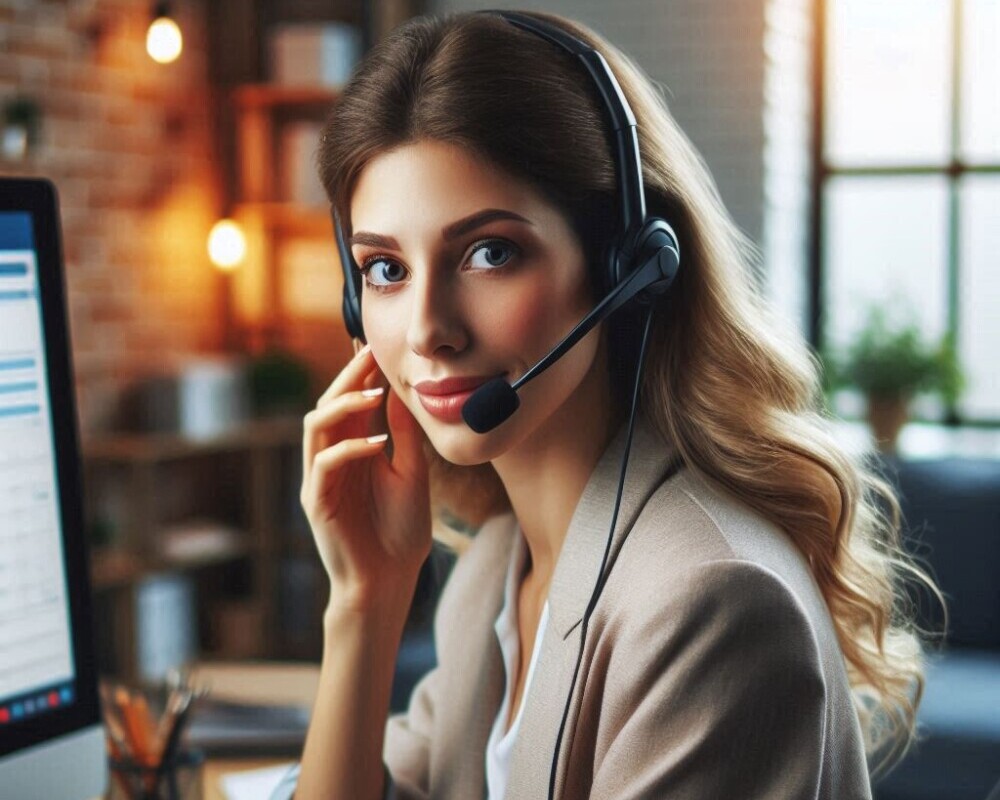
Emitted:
<point x="493" y="253"/>
<point x="379" y="271"/>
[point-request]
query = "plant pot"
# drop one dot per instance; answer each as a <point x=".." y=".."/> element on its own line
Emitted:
<point x="886" y="416"/>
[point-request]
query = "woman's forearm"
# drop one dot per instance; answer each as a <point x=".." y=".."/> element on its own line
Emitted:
<point x="342" y="757"/>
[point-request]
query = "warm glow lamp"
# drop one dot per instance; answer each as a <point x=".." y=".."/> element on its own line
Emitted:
<point x="163" y="39"/>
<point x="227" y="245"/>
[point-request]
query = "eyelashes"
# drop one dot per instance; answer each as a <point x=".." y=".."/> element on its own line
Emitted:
<point x="514" y="251"/>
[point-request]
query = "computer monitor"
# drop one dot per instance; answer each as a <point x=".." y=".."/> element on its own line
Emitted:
<point x="51" y="737"/>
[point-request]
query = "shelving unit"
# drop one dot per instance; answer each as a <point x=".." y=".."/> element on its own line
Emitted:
<point x="253" y="472"/>
<point x="263" y="205"/>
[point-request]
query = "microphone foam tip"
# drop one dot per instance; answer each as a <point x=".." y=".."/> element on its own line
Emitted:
<point x="490" y="405"/>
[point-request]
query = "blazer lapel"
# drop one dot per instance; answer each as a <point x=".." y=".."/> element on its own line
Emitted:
<point x="570" y="591"/>
<point x="476" y="672"/>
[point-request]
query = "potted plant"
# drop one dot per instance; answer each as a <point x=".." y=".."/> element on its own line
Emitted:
<point x="890" y="362"/>
<point x="279" y="383"/>
<point x="22" y="118"/>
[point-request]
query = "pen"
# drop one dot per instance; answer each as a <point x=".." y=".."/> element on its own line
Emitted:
<point x="177" y="724"/>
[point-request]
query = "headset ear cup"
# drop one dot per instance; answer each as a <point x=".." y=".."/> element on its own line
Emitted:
<point x="611" y="275"/>
<point x="658" y="240"/>
<point x="351" y="304"/>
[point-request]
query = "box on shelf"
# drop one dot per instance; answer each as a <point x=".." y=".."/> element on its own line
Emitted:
<point x="314" y="54"/>
<point x="299" y="143"/>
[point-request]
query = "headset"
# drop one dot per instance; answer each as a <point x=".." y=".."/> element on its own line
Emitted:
<point x="640" y="262"/>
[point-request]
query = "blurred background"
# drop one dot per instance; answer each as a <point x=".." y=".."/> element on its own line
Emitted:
<point x="857" y="142"/>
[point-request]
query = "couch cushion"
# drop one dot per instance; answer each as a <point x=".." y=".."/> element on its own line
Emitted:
<point x="959" y="724"/>
<point x="952" y="516"/>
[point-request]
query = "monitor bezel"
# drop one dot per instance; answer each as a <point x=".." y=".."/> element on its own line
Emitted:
<point x="39" y="198"/>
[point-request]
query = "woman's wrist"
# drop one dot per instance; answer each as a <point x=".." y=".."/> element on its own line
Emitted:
<point x="371" y="603"/>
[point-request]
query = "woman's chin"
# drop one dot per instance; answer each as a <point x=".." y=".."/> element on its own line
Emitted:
<point x="459" y="444"/>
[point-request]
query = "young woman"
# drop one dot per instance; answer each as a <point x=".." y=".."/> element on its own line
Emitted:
<point x="749" y="640"/>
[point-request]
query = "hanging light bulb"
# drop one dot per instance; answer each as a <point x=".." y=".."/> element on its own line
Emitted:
<point x="163" y="39"/>
<point x="226" y="245"/>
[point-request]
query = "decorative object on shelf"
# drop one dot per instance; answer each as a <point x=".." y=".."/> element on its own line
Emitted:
<point x="278" y="382"/>
<point x="22" y="123"/>
<point x="890" y="361"/>
<point x="199" y="539"/>
<point x="163" y="39"/>
<point x="202" y="397"/>
<point x="165" y="624"/>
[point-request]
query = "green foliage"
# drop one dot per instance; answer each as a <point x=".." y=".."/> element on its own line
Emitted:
<point x="893" y="359"/>
<point x="279" y="382"/>
<point x="25" y="111"/>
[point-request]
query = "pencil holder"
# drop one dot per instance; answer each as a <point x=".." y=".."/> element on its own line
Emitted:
<point x="178" y="779"/>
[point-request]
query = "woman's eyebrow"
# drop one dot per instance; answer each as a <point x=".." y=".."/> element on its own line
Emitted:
<point x="451" y="231"/>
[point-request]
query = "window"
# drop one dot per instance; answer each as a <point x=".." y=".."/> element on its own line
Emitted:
<point x="908" y="179"/>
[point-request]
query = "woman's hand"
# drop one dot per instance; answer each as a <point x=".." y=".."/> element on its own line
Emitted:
<point x="370" y="516"/>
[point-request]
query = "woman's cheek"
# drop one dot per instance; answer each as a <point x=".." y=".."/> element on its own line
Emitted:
<point x="520" y="320"/>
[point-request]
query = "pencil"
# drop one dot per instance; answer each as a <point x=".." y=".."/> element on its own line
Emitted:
<point x="137" y="735"/>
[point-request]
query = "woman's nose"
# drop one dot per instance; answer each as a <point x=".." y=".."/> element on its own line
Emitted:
<point x="435" y="319"/>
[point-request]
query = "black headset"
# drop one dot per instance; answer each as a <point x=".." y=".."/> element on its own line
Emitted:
<point x="640" y="262"/>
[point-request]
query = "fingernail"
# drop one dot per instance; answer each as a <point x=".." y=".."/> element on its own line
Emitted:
<point x="372" y="392"/>
<point x="364" y="349"/>
<point x="376" y="439"/>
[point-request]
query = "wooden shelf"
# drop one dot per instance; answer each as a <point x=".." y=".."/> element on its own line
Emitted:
<point x="154" y="447"/>
<point x="287" y="217"/>
<point x="276" y="95"/>
<point x="115" y="567"/>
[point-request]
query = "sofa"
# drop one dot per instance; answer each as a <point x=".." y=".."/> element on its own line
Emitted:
<point x="951" y="508"/>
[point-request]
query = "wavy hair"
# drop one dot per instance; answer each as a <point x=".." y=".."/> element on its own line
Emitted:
<point x="730" y="385"/>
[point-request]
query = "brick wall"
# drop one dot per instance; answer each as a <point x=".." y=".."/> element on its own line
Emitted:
<point x="129" y="145"/>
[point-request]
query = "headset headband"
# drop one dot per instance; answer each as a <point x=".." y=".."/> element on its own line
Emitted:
<point x="629" y="172"/>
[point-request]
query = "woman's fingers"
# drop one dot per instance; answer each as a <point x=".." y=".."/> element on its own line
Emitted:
<point x="407" y="436"/>
<point x="352" y="373"/>
<point x="318" y="422"/>
<point x="328" y="476"/>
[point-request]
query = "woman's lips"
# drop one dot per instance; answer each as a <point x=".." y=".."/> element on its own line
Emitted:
<point x="448" y="407"/>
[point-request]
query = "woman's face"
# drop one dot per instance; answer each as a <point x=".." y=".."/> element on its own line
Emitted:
<point x="447" y="296"/>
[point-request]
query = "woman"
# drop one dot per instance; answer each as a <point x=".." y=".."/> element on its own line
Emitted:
<point x="747" y="642"/>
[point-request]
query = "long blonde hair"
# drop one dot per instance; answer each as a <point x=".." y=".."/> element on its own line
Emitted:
<point x="734" y="389"/>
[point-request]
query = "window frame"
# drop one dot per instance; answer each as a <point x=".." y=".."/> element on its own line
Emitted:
<point x="823" y="171"/>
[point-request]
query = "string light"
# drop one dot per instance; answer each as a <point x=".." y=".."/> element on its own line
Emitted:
<point x="163" y="39"/>
<point x="227" y="246"/>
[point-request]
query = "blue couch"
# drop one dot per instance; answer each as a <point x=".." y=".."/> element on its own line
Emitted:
<point x="952" y="513"/>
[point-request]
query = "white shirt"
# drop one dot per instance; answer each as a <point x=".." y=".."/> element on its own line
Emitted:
<point x="500" y="745"/>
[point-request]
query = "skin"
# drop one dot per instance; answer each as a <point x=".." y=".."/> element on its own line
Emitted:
<point x="461" y="308"/>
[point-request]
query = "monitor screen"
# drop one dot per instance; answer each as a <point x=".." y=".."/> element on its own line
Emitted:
<point x="51" y="740"/>
<point x="38" y="672"/>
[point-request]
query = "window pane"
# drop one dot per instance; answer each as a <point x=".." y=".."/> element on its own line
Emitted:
<point x="888" y="85"/>
<point x="980" y="68"/>
<point x="885" y="241"/>
<point x="979" y="328"/>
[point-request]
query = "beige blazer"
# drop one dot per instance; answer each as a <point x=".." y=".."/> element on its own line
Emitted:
<point x="711" y="669"/>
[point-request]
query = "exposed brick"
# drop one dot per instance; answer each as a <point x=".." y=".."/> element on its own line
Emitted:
<point x="118" y="167"/>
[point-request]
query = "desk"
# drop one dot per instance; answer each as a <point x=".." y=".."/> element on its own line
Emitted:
<point x="254" y="682"/>
<point x="216" y="767"/>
